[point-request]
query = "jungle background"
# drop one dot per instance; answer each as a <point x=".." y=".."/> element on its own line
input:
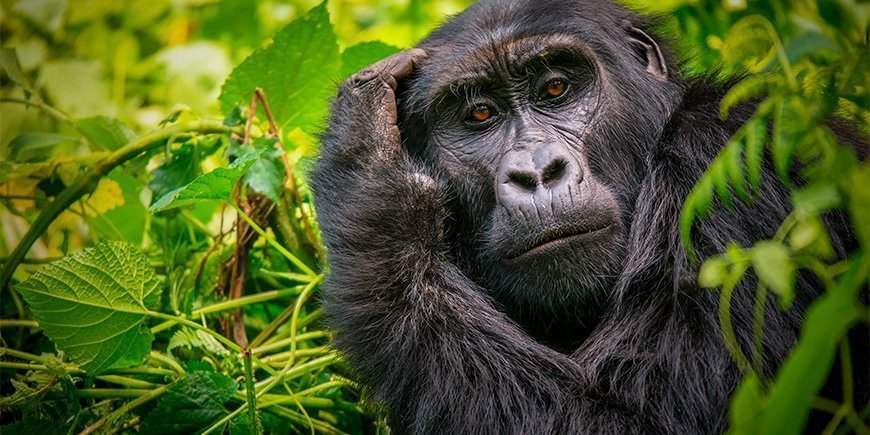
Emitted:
<point x="160" y="256"/>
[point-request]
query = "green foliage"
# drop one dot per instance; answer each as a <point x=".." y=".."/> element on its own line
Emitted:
<point x="191" y="404"/>
<point x="159" y="264"/>
<point x="214" y="186"/>
<point x="298" y="65"/>
<point x="92" y="304"/>
<point x="807" y="61"/>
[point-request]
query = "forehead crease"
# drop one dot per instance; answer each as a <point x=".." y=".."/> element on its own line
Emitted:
<point x="492" y="59"/>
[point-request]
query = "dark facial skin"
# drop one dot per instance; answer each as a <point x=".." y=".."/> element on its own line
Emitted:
<point x="500" y="207"/>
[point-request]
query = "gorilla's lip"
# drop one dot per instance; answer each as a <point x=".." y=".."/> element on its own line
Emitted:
<point x="557" y="238"/>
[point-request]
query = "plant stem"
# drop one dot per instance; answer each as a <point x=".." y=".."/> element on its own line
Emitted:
<point x="232" y="304"/>
<point x="278" y="321"/>
<point x="253" y="415"/>
<point x="281" y="343"/>
<point x="292" y="258"/>
<point x="127" y="382"/>
<point x="22" y="355"/>
<point x="298" y="371"/>
<point x="226" y="342"/>
<point x="725" y="318"/>
<point x="87" y="182"/>
<point x="144" y="398"/>
<point x="4" y="323"/>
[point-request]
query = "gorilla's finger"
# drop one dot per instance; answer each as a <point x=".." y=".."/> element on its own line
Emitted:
<point x="390" y="70"/>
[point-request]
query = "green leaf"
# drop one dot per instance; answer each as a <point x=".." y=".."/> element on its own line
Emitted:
<point x="9" y="62"/>
<point x="755" y="152"/>
<point x="746" y="406"/>
<point x="92" y="304"/>
<point x="178" y="170"/>
<point x="296" y="71"/>
<point x="89" y="97"/>
<point x="266" y="175"/>
<point x="105" y="132"/>
<point x="859" y="198"/>
<point x="362" y="55"/>
<point x="217" y="185"/>
<point x="713" y="272"/>
<point x="35" y="426"/>
<point x="45" y="14"/>
<point x="191" y="405"/>
<point x="38" y="147"/>
<point x="773" y="265"/>
<point x="805" y="370"/>
<point x="751" y="87"/>
<point x="817" y="198"/>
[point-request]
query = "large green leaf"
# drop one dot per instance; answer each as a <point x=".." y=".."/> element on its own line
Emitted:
<point x="191" y="405"/>
<point x="215" y="186"/>
<point x="296" y="71"/>
<point x="92" y="304"/>
<point x="362" y="55"/>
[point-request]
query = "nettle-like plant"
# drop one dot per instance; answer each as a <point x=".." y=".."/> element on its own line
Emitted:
<point x="804" y="65"/>
<point x="150" y="327"/>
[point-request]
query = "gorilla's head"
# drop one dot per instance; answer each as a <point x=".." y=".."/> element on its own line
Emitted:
<point x="540" y="116"/>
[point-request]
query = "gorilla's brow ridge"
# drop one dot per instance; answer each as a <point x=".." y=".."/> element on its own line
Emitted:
<point x="519" y="56"/>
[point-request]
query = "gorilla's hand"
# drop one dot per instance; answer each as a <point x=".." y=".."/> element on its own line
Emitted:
<point x="372" y="199"/>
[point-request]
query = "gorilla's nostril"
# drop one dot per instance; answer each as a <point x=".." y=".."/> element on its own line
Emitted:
<point x="522" y="179"/>
<point x="553" y="172"/>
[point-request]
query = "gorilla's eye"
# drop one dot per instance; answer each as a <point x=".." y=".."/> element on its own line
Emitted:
<point x="481" y="113"/>
<point x="554" y="88"/>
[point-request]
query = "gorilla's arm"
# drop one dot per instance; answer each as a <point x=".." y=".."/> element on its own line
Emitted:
<point x="420" y="332"/>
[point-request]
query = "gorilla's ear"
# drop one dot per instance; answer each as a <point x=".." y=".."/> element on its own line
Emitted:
<point x="648" y="51"/>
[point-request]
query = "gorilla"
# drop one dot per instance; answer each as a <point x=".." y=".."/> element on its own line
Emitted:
<point x="500" y="206"/>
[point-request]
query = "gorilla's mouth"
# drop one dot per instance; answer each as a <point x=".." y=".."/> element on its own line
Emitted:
<point x="555" y="239"/>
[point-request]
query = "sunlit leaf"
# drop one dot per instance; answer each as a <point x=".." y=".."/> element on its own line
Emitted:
<point x="217" y="185"/>
<point x="713" y="272"/>
<point x="92" y="304"/>
<point x="37" y="147"/>
<point x="296" y="71"/>
<point x="362" y="55"/>
<point x="773" y="265"/>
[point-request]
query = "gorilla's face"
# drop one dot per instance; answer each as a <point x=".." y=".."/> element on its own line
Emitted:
<point x="536" y="136"/>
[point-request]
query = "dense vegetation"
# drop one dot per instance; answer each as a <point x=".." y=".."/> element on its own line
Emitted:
<point x="161" y="261"/>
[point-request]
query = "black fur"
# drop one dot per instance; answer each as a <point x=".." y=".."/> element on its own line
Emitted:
<point x="613" y="338"/>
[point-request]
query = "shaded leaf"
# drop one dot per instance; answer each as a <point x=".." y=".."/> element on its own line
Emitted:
<point x="105" y="132"/>
<point x="37" y="147"/>
<point x="92" y="304"/>
<point x="9" y="62"/>
<point x="191" y="405"/>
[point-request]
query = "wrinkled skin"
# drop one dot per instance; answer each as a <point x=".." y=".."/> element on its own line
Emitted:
<point x="500" y="206"/>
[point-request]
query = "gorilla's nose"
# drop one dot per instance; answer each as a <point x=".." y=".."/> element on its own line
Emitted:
<point x="544" y="168"/>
